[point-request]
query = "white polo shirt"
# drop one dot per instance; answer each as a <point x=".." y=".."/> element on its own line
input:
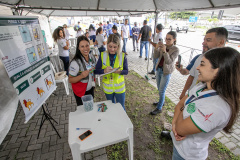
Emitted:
<point x="74" y="69"/>
<point x="62" y="43"/>
<point x="210" y="115"/>
<point x="125" y="29"/>
<point x="194" y="72"/>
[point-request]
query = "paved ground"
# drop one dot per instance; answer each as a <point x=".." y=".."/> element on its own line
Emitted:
<point x="22" y="143"/>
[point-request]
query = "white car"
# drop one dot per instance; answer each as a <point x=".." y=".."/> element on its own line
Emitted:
<point x="178" y="27"/>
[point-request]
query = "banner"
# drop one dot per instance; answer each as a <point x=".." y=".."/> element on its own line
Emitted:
<point x="24" y="54"/>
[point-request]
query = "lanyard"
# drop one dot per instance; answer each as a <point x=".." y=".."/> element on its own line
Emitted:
<point x="113" y="60"/>
<point x="190" y="100"/>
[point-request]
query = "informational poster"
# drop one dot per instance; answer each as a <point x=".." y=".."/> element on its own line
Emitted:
<point x="23" y="52"/>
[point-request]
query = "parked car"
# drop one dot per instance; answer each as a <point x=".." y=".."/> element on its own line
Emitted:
<point x="178" y="27"/>
<point x="233" y="32"/>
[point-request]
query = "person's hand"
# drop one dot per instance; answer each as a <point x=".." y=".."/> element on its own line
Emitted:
<point x="181" y="96"/>
<point x="67" y="43"/>
<point x="122" y="38"/>
<point x="84" y="74"/>
<point x="176" y="66"/>
<point x="129" y="38"/>
<point x="108" y="69"/>
<point x="118" y="71"/>
<point x="177" y="137"/>
<point x="149" y="40"/>
<point x="162" y="46"/>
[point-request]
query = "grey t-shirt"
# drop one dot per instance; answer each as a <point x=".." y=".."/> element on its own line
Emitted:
<point x="145" y="33"/>
<point x="100" y="40"/>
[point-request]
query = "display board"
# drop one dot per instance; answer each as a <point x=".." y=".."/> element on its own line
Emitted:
<point x="24" y="55"/>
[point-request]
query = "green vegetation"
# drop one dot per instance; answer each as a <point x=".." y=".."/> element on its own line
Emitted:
<point x="182" y="15"/>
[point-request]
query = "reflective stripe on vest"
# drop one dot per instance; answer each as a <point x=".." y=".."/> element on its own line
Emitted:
<point x="118" y="84"/>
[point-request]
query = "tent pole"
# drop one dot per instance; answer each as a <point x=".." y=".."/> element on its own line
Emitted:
<point x="49" y="23"/>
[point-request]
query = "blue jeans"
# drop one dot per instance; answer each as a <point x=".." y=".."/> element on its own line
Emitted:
<point x="93" y="37"/>
<point x="176" y="155"/>
<point x="120" y="98"/>
<point x="162" y="83"/>
<point x="146" y="43"/>
<point x="124" y="45"/>
<point x="134" y="39"/>
<point x="154" y="64"/>
<point x="65" y="63"/>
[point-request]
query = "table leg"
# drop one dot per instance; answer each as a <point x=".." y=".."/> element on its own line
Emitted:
<point x="76" y="154"/>
<point x="98" y="81"/>
<point x="55" y="63"/>
<point x="130" y="143"/>
<point x="59" y="61"/>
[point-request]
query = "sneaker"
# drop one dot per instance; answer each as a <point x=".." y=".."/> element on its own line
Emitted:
<point x="145" y="58"/>
<point x="140" y="56"/>
<point x="152" y="72"/>
<point x="155" y="103"/>
<point x="134" y="50"/>
<point x="154" y="77"/>
<point x="156" y="111"/>
<point x="126" y="53"/>
<point x="166" y="134"/>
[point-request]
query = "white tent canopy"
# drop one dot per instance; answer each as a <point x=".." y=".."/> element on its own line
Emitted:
<point x="114" y="7"/>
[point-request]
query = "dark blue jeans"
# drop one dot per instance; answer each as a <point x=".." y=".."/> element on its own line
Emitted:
<point x="101" y="49"/>
<point x="93" y="37"/>
<point x="65" y="63"/>
<point x="120" y="98"/>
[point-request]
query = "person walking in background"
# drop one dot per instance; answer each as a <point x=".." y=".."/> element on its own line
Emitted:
<point x="100" y="41"/>
<point x="81" y="74"/>
<point x="109" y="28"/>
<point x="77" y="26"/>
<point x="135" y="32"/>
<point x="113" y="83"/>
<point x="211" y="106"/>
<point x="167" y="53"/>
<point x="144" y="35"/>
<point x="125" y="35"/>
<point x="80" y="32"/>
<point x="156" y="39"/>
<point x="114" y="30"/>
<point x="92" y="33"/>
<point x="63" y="46"/>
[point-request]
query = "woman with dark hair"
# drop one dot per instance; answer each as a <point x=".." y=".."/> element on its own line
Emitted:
<point x="92" y="33"/>
<point x="81" y="74"/>
<point x="210" y="106"/>
<point x="166" y="54"/>
<point x="63" y="46"/>
<point x="100" y="40"/>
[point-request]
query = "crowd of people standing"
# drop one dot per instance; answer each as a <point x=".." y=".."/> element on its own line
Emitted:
<point x="208" y="103"/>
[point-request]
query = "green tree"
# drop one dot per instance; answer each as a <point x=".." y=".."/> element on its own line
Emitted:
<point x="182" y="15"/>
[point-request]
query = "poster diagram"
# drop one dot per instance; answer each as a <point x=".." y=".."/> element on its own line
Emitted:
<point x="41" y="50"/>
<point x="25" y="33"/>
<point x="36" y="33"/>
<point x="32" y="56"/>
<point x="49" y="81"/>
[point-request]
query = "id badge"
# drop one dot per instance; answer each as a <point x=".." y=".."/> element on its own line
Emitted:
<point x="88" y="67"/>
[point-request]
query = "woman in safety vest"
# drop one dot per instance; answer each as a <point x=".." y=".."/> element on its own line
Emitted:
<point x="81" y="74"/>
<point x="113" y="83"/>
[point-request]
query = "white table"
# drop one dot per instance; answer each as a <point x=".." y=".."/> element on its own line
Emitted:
<point x="110" y="127"/>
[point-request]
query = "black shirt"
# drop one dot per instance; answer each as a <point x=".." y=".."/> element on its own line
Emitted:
<point x="145" y="33"/>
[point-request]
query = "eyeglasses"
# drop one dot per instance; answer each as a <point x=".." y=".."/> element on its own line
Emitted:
<point x="168" y="39"/>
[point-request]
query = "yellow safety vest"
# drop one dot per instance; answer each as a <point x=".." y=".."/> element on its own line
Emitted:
<point x="113" y="82"/>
